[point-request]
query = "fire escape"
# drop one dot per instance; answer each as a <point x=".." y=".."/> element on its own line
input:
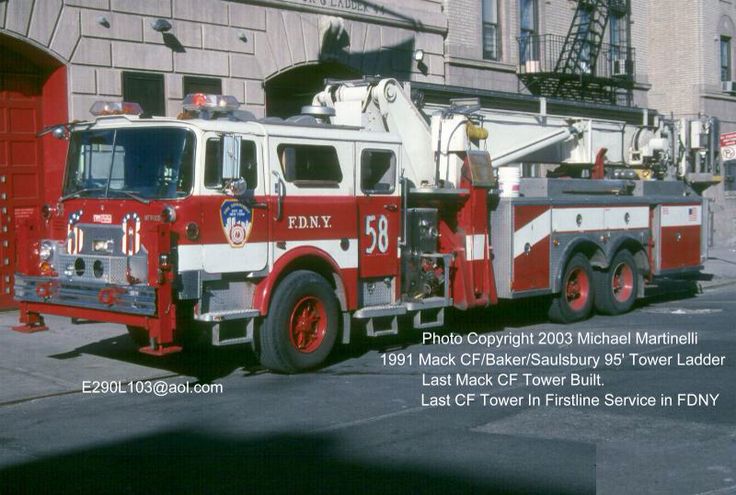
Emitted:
<point x="580" y="66"/>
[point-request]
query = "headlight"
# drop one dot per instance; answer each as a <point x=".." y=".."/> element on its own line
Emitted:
<point x="46" y="250"/>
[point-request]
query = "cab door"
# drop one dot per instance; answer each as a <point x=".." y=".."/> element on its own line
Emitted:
<point x="235" y="224"/>
<point x="379" y="216"/>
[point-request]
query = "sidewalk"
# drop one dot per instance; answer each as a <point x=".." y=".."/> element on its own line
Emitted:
<point x="721" y="266"/>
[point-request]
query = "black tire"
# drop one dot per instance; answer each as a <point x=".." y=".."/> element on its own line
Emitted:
<point x="575" y="300"/>
<point x="617" y="287"/>
<point x="302" y="324"/>
<point x="138" y="335"/>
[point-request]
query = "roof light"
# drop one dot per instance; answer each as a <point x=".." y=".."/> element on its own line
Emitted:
<point x="100" y="108"/>
<point x="212" y="103"/>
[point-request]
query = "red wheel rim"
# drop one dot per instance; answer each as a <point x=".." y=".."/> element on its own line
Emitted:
<point x="577" y="289"/>
<point x="622" y="282"/>
<point x="307" y="324"/>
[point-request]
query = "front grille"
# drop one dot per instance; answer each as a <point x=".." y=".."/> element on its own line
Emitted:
<point x="92" y="268"/>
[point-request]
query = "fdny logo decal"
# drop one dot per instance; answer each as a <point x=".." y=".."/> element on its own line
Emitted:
<point x="237" y="221"/>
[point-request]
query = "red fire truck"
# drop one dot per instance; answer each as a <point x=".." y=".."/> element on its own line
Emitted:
<point x="292" y="234"/>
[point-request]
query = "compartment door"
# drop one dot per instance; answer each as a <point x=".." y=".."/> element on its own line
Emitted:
<point x="379" y="215"/>
<point x="677" y="231"/>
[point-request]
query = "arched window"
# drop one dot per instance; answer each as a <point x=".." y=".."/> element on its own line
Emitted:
<point x="725" y="56"/>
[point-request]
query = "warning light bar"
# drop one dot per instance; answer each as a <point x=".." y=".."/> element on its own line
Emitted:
<point x="100" y="108"/>
<point x="198" y="102"/>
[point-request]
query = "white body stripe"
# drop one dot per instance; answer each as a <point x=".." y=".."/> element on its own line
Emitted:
<point x="615" y="218"/>
<point x="475" y="247"/>
<point x="532" y="232"/>
<point x="344" y="258"/>
<point x="566" y="219"/>
<point x="680" y="216"/>
<point x="223" y="258"/>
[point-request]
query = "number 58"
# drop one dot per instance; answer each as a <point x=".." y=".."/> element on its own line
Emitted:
<point x="379" y="238"/>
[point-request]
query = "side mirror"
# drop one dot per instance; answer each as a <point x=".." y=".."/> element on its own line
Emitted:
<point x="236" y="187"/>
<point x="230" y="157"/>
<point x="60" y="132"/>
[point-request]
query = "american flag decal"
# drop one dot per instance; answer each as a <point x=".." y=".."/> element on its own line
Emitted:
<point x="131" y="234"/>
<point x="74" y="235"/>
<point x="692" y="214"/>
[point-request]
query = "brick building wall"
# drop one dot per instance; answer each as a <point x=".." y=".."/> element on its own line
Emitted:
<point x="239" y="43"/>
<point x="684" y="72"/>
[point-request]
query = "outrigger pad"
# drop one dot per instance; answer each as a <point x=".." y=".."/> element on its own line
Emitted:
<point x="160" y="351"/>
<point x="32" y="323"/>
<point x="30" y="328"/>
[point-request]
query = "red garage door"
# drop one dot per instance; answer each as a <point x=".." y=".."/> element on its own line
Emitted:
<point x="21" y="154"/>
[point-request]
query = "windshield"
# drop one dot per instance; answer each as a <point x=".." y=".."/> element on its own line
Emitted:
<point x="139" y="162"/>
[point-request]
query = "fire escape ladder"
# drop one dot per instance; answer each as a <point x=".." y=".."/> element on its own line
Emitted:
<point x="580" y="66"/>
<point x="579" y="53"/>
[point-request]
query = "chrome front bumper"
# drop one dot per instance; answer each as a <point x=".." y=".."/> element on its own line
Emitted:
<point x="132" y="299"/>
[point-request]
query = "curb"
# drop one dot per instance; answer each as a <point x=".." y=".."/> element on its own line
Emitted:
<point x="719" y="284"/>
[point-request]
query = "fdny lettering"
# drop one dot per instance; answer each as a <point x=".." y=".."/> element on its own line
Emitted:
<point x="309" y="222"/>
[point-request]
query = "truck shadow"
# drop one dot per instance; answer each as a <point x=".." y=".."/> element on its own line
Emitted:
<point x="518" y="314"/>
<point x="209" y="364"/>
<point x="183" y="461"/>
<point x="206" y="365"/>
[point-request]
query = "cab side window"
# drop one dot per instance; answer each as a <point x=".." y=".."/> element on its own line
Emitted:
<point x="307" y="165"/>
<point x="377" y="171"/>
<point x="213" y="164"/>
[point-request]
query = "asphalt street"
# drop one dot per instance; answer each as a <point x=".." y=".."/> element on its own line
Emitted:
<point x="359" y="425"/>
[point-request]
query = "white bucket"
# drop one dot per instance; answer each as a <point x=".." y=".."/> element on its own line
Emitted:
<point x="508" y="181"/>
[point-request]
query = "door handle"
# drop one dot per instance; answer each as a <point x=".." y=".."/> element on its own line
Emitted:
<point x="391" y="207"/>
<point x="280" y="186"/>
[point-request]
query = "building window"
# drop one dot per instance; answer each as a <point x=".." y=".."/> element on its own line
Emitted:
<point x="491" y="31"/>
<point x="619" y="39"/>
<point x="207" y="85"/>
<point x="146" y="89"/>
<point x="528" y="30"/>
<point x="725" y="58"/>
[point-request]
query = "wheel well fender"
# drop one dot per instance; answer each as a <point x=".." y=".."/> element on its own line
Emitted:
<point x="635" y="247"/>
<point x="590" y="249"/>
<point x="306" y="258"/>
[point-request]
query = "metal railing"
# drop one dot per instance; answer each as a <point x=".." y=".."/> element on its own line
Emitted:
<point x="541" y="54"/>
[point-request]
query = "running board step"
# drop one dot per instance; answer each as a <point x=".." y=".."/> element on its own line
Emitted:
<point x="428" y="303"/>
<point x="380" y="311"/>
<point x="237" y="314"/>
<point x="243" y="338"/>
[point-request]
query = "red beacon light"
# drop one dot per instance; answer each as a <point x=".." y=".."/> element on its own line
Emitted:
<point x="101" y="108"/>
<point x="201" y="102"/>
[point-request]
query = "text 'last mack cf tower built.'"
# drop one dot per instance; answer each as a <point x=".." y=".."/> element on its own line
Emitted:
<point x="292" y="234"/>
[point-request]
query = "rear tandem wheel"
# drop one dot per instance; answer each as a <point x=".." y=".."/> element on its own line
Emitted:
<point x="575" y="300"/>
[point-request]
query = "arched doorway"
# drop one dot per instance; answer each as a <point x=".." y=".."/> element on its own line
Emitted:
<point x="289" y="91"/>
<point x="32" y="96"/>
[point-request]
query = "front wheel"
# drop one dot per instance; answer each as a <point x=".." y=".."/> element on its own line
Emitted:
<point x="575" y="300"/>
<point x="302" y="324"/>
<point x="617" y="287"/>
